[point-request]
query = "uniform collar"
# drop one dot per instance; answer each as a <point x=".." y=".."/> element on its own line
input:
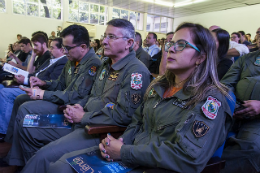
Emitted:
<point x="122" y="62"/>
<point x="88" y="56"/>
<point x="139" y="50"/>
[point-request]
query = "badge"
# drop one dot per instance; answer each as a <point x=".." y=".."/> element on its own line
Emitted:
<point x="76" y="70"/>
<point x="152" y="93"/>
<point x="69" y="71"/>
<point x="113" y="76"/>
<point x="180" y="103"/>
<point x="210" y="107"/>
<point x="136" y="81"/>
<point x="200" y="128"/>
<point x="257" y="61"/>
<point x="92" y="71"/>
<point x="110" y="105"/>
<point x="135" y="98"/>
<point x="102" y="75"/>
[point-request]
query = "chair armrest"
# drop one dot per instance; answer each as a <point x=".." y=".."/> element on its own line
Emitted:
<point x="99" y="129"/>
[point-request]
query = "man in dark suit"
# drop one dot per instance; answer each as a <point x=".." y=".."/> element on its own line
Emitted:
<point x="49" y="70"/>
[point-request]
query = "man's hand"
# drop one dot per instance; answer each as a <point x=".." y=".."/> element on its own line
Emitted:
<point x="252" y="109"/>
<point x="110" y="148"/>
<point x="19" y="79"/>
<point x="12" y="63"/>
<point x="74" y="114"/>
<point x="34" y="81"/>
<point x="34" y="93"/>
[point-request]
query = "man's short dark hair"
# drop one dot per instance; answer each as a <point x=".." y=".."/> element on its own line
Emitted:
<point x="242" y="33"/>
<point x="40" y="38"/>
<point x="169" y="33"/>
<point x="40" y="32"/>
<point x="248" y="34"/>
<point x="138" y="37"/>
<point x="129" y="30"/>
<point x="154" y="35"/>
<point x="24" y="40"/>
<point x="236" y="33"/>
<point x="59" y="42"/>
<point x="19" y="35"/>
<point x="79" y="33"/>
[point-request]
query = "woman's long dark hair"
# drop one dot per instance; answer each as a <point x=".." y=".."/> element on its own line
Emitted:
<point x="98" y="44"/>
<point x="223" y="40"/>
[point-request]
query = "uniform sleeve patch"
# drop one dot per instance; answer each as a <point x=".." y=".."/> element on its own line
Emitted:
<point x="200" y="129"/>
<point x="211" y="107"/>
<point x="92" y="71"/>
<point x="136" y="81"/>
<point x="135" y="98"/>
<point x="102" y="75"/>
<point x="110" y="105"/>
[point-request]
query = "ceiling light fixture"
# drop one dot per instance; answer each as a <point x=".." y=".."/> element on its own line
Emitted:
<point x="159" y="2"/>
<point x="187" y="3"/>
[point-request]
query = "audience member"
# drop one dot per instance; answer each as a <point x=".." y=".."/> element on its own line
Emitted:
<point x="243" y="39"/>
<point x="116" y="93"/>
<point x="152" y="49"/>
<point x="222" y="37"/>
<point x="96" y="45"/>
<point x="242" y="152"/>
<point x="49" y="70"/>
<point x="235" y="36"/>
<point x="140" y="53"/>
<point x="248" y="36"/>
<point x="172" y="127"/>
<point x="19" y="37"/>
<point x="53" y="36"/>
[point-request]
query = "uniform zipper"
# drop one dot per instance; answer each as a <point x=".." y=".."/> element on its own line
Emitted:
<point x="167" y="125"/>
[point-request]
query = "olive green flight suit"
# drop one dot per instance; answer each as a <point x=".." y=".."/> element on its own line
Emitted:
<point x="242" y="152"/>
<point x="117" y="92"/>
<point x="73" y="84"/>
<point x="165" y="134"/>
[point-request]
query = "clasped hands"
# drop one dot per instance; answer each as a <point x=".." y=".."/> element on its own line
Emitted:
<point x="110" y="148"/>
<point x="252" y="109"/>
<point x="74" y="113"/>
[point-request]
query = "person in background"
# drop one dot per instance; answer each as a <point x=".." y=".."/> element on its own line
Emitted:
<point x="222" y="37"/>
<point x="19" y="37"/>
<point x="157" y="44"/>
<point x="152" y="48"/>
<point x="248" y="36"/>
<point x="96" y="45"/>
<point x="140" y="53"/>
<point x="235" y="36"/>
<point x="53" y="36"/>
<point x="243" y="39"/>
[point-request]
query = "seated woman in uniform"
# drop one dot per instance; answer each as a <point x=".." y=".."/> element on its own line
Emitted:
<point x="185" y="115"/>
<point x="222" y="37"/>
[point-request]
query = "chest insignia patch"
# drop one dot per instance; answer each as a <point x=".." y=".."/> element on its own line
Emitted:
<point x="110" y="105"/>
<point x="136" y="81"/>
<point x="200" y="129"/>
<point x="135" y="98"/>
<point x="180" y="103"/>
<point x="102" y="75"/>
<point x="92" y="71"/>
<point x="69" y="71"/>
<point x="113" y="76"/>
<point x="257" y="61"/>
<point x="152" y="93"/>
<point x="211" y="107"/>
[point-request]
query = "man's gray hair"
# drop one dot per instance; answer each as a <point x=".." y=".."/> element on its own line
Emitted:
<point x="128" y="28"/>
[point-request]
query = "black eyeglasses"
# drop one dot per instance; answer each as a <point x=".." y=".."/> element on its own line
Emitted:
<point x="112" y="37"/>
<point x="179" y="45"/>
<point x="68" y="48"/>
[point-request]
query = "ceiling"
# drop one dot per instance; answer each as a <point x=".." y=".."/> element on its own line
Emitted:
<point x="188" y="10"/>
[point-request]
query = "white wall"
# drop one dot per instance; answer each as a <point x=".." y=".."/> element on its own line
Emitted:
<point x="245" y="18"/>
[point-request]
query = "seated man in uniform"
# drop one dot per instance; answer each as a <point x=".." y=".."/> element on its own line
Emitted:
<point x="49" y="70"/>
<point x="242" y="152"/>
<point x="117" y="91"/>
<point x="74" y="83"/>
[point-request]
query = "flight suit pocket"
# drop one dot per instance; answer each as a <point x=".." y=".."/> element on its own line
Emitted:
<point x="84" y="84"/>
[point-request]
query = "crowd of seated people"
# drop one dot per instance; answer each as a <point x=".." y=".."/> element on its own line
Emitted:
<point x="182" y="98"/>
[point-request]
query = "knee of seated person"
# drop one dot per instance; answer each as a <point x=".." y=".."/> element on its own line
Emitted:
<point x="59" y="166"/>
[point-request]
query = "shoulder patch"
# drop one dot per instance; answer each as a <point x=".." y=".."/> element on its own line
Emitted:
<point x="102" y="75"/>
<point x="257" y="61"/>
<point x="92" y="71"/>
<point x="200" y="129"/>
<point x="135" y="98"/>
<point x="136" y="81"/>
<point x="110" y="105"/>
<point x="210" y="107"/>
<point x="69" y="71"/>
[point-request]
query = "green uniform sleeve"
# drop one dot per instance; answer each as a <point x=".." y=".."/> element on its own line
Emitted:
<point x="181" y="149"/>
<point x="233" y="75"/>
<point x="122" y="111"/>
<point x="73" y="94"/>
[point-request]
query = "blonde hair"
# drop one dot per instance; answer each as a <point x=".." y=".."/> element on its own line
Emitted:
<point x="205" y="77"/>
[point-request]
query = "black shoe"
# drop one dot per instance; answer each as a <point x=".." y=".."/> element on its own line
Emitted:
<point x="2" y="137"/>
